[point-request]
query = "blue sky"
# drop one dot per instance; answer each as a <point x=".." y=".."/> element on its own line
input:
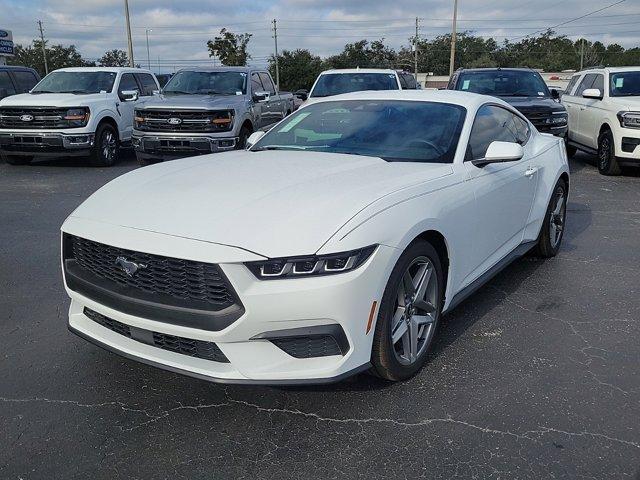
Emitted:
<point x="181" y="27"/>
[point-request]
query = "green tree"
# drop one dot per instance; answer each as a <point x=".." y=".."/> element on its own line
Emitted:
<point x="114" y="58"/>
<point x="364" y="55"/>
<point x="230" y="48"/>
<point x="298" y="69"/>
<point x="58" y="56"/>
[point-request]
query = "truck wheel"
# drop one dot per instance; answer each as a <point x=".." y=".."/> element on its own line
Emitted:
<point x="105" y="150"/>
<point x="245" y="131"/>
<point x="607" y="163"/>
<point x="17" y="159"/>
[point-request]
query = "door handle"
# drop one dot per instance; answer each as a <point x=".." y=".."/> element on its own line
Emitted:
<point x="530" y="172"/>
<point x="583" y="108"/>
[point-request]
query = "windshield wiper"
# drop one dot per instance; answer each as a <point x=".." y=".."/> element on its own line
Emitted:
<point x="42" y="91"/>
<point x="179" y="92"/>
<point x="278" y="147"/>
<point x="75" y="92"/>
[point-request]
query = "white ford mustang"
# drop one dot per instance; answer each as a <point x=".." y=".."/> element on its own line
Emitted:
<point x="333" y="245"/>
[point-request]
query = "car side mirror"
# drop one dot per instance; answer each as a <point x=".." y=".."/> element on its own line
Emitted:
<point x="156" y="92"/>
<point x="302" y="94"/>
<point x="555" y="94"/>
<point x="592" y="93"/>
<point x="499" y="152"/>
<point x="260" y="96"/>
<point x="253" y="138"/>
<point x="129" y="95"/>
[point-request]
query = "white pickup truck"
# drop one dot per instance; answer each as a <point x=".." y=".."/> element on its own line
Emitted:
<point x="84" y="111"/>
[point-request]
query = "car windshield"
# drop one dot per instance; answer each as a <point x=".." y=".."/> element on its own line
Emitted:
<point x="337" y="83"/>
<point x="396" y="131"/>
<point x="207" y="83"/>
<point x="503" y="83"/>
<point x="76" y="82"/>
<point x="624" y="84"/>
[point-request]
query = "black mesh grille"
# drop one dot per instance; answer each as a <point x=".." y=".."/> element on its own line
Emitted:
<point x="308" y="347"/>
<point x="187" y="121"/>
<point x="182" y="279"/>
<point x="181" y="345"/>
<point x="538" y="117"/>
<point x="42" y="117"/>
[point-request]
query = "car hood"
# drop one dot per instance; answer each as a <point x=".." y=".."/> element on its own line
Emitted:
<point x="525" y="104"/>
<point x="273" y="203"/>
<point x="52" y="100"/>
<point x="194" y="102"/>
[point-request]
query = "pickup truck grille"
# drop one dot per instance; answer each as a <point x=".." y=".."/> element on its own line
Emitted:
<point x="539" y="117"/>
<point x="33" y="118"/>
<point x="183" y="121"/>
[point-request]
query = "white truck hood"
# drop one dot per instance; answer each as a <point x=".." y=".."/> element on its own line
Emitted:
<point x="52" y="100"/>
<point x="274" y="203"/>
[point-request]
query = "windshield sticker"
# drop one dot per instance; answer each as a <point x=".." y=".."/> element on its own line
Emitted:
<point x="541" y="94"/>
<point x="293" y="123"/>
<point x="238" y="92"/>
<point x="465" y="84"/>
<point x="619" y="82"/>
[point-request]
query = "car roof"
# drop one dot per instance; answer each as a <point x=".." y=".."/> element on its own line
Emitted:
<point x="222" y="69"/>
<point x="103" y="69"/>
<point x="16" y="67"/>
<point x="498" y="69"/>
<point x="358" y="70"/>
<point x="456" y="97"/>
<point x="608" y="69"/>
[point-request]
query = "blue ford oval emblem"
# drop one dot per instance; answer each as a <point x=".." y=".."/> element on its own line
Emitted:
<point x="26" y="118"/>
<point x="174" y="121"/>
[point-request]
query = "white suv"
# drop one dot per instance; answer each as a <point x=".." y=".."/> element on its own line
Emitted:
<point x="84" y="111"/>
<point x="604" y="116"/>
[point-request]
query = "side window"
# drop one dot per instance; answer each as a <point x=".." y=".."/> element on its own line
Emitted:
<point x="491" y="124"/>
<point x="411" y="81"/>
<point x="522" y="130"/>
<point x="256" y="84"/>
<point x="571" y="84"/>
<point x="148" y="84"/>
<point x="599" y="83"/>
<point x="128" y="82"/>
<point x="586" y="82"/>
<point x="25" y="80"/>
<point x="452" y="82"/>
<point x="6" y="84"/>
<point x="403" y="81"/>
<point x="268" y="84"/>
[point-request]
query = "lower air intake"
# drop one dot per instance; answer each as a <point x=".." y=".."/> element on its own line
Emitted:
<point x="308" y="347"/>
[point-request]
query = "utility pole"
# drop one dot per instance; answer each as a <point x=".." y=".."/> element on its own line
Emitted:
<point x="44" y="50"/>
<point x="415" y="52"/>
<point x="275" y="37"/>
<point x="129" y="41"/>
<point x="147" y="30"/>
<point x="452" y="59"/>
<point x="582" y="54"/>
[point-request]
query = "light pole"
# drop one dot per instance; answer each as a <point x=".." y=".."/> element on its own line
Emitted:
<point x="129" y="41"/>
<point x="146" y="31"/>
<point x="452" y="59"/>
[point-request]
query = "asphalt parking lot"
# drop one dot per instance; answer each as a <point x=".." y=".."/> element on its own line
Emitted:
<point x="536" y="376"/>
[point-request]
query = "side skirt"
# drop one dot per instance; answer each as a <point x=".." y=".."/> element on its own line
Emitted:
<point x="470" y="289"/>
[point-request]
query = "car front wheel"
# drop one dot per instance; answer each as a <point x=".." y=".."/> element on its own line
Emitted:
<point x="553" y="226"/>
<point x="607" y="162"/>
<point x="409" y="313"/>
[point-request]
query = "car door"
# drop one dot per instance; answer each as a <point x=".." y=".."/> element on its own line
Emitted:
<point x="588" y="122"/>
<point x="578" y="135"/>
<point x="504" y="191"/>
<point x="274" y="104"/>
<point x="573" y="109"/>
<point x="127" y="82"/>
<point x="260" y="108"/>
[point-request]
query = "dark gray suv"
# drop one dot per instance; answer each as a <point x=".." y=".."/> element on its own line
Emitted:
<point x="14" y="80"/>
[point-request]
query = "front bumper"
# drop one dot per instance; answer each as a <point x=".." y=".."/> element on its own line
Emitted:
<point x="273" y="309"/>
<point x="46" y="143"/>
<point x="628" y="146"/>
<point x="150" y="146"/>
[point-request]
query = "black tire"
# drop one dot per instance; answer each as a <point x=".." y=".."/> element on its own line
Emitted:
<point x="245" y="131"/>
<point x="547" y="246"/>
<point x="571" y="150"/>
<point x="607" y="162"/>
<point x="106" y="148"/>
<point x="385" y="359"/>
<point x="17" y="159"/>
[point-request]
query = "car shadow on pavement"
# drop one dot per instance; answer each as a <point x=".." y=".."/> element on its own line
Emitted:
<point x="127" y="158"/>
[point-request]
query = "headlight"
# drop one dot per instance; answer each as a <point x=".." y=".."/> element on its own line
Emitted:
<point x="77" y="117"/>
<point x="557" y="119"/>
<point x="629" y="119"/>
<point x="312" y="265"/>
<point x="222" y="120"/>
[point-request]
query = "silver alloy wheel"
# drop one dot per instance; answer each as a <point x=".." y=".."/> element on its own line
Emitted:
<point x="557" y="217"/>
<point x="416" y="312"/>
<point x="108" y="145"/>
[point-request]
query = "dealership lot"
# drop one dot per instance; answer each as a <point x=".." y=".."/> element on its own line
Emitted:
<point x="534" y="377"/>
